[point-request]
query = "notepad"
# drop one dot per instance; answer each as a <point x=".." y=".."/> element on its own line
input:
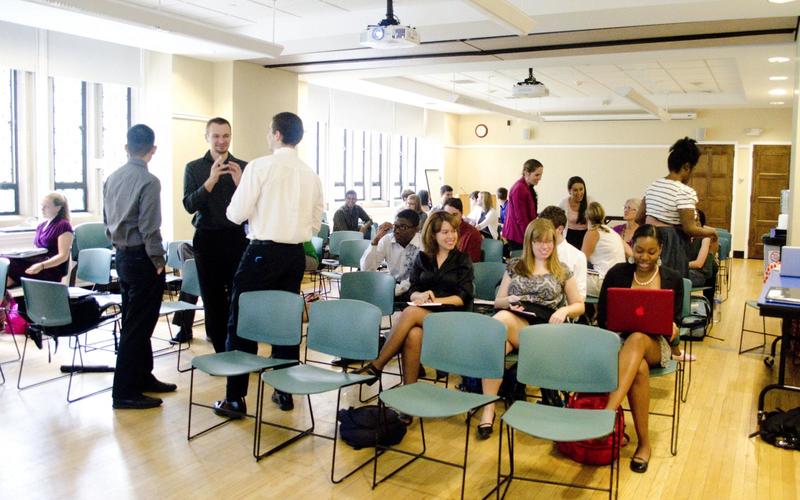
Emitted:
<point x="24" y="254"/>
<point x="427" y="304"/>
<point x="783" y="295"/>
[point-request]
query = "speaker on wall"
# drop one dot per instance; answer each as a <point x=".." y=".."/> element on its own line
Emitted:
<point x="700" y="134"/>
<point x="527" y="134"/>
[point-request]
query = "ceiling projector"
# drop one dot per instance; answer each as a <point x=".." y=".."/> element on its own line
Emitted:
<point x="529" y="87"/>
<point x="388" y="34"/>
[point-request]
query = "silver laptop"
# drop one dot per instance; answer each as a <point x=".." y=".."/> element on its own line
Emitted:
<point x="790" y="262"/>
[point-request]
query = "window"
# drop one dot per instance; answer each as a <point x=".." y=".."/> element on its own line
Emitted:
<point x="9" y="172"/>
<point x="404" y="166"/>
<point x="115" y="121"/>
<point x="69" y="140"/>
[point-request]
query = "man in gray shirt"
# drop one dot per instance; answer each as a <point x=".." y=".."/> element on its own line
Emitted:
<point x="132" y="214"/>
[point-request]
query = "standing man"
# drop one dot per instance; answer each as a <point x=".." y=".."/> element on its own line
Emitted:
<point x="132" y="214"/>
<point x="281" y="198"/>
<point x="347" y="217"/>
<point x="208" y="186"/>
<point x="469" y="238"/>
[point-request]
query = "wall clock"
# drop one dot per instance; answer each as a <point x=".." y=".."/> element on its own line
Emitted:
<point x="481" y="130"/>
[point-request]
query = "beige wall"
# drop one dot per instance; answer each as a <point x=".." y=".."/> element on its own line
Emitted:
<point x="246" y="94"/>
<point x="617" y="159"/>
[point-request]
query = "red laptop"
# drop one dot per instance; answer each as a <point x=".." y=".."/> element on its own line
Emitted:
<point x="640" y="310"/>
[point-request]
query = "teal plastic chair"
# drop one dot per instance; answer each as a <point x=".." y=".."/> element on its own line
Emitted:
<point x="488" y="276"/>
<point x="337" y="237"/>
<point x="724" y="270"/>
<point x="324" y="232"/>
<point x="94" y="266"/>
<point x="190" y="284"/>
<point x="343" y="328"/>
<point x="266" y="316"/>
<point x="566" y="357"/>
<point x="516" y="253"/>
<point x="318" y="242"/>
<point x="491" y="250"/>
<point x="463" y="343"/>
<point x="4" y="263"/>
<point x="174" y="262"/>
<point x="350" y="252"/>
<point x="47" y="306"/>
<point x="87" y="235"/>
<point x="373" y="287"/>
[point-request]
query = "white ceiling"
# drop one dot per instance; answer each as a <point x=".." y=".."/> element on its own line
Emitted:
<point x="683" y="76"/>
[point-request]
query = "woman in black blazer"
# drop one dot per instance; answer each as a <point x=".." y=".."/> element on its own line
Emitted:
<point x="641" y="351"/>
<point x="441" y="274"/>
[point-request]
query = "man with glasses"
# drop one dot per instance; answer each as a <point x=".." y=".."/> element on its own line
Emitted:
<point x="397" y="245"/>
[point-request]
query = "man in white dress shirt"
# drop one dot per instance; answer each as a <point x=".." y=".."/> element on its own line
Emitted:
<point x="574" y="259"/>
<point x="398" y="249"/>
<point x="281" y="198"/>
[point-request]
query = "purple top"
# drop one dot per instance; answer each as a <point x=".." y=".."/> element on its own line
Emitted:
<point x="620" y="229"/>
<point x="47" y="237"/>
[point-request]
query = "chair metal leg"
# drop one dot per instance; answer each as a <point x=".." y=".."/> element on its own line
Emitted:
<point x="16" y="346"/>
<point x="301" y="433"/>
<point x="189" y="435"/>
<point x="336" y="442"/>
<point x="686" y="383"/>
<point x="77" y="350"/>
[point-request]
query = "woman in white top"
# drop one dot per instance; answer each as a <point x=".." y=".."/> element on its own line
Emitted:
<point x="575" y="207"/>
<point x="603" y="247"/>
<point x="669" y="204"/>
<point x="475" y="209"/>
<point x="489" y="219"/>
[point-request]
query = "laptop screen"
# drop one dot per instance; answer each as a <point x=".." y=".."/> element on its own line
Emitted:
<point x="640" y="310"/>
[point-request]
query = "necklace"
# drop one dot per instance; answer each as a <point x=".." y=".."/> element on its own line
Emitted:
<point x="646" y="283"/>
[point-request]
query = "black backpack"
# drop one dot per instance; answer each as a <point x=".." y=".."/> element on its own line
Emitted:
<point x="358" y="425"/>
<point x="782" y="428"/>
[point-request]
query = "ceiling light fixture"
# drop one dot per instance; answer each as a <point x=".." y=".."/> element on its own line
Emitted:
<point x="779" y="59"/>
<point x="778" y="78"/>
<point x="780" y="1"/>
<point x="777" y="103"/>
<point x="505" y="14"/>
<point x="777" y="92"/>
<point x="643" y="102"/>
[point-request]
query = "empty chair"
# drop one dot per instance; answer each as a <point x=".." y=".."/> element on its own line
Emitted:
<point x="492" y="250"/>
<point x="337" y="237"/>
<point x="190" y="284"/>
<point x="488" y="276"/>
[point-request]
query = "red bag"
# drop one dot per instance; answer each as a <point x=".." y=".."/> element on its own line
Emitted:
<point x="593" y="451"/>
<point x="11" y="320"/>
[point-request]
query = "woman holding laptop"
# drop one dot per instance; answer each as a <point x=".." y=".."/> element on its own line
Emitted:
<point x="536" y="288"/>
<point x="640" y="350"/>
<point x="54" y="235"/>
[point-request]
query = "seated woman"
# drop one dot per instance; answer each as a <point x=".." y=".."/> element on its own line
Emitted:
<point x="489" y="219"/>
<point x="55" y="235"/>
<point x="539" y="281"/>
<point x="630" y="212"/>
<point x="603" y="247"/>
<point x="440" y="274"/>
<point x="413" y="203"/>
<point x="701" y="259"/>
<point x="640" y="351"/>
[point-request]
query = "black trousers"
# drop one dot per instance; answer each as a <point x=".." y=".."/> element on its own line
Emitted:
<point x="142" y="291"/>
<point x="264" y="266"/>
<point x="217" y="255"/>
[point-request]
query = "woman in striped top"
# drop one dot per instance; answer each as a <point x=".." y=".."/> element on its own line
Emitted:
<point x="669" y="204"/>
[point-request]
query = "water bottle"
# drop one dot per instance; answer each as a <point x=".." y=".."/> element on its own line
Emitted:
<point x="717" y="306"/>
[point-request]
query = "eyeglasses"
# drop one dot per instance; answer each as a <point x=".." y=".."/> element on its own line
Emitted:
<point x="403" y="227"/>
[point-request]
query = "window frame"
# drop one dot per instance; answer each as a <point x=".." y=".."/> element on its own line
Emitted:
<point x="82" y="185"/>
<point x="14" y="126"/>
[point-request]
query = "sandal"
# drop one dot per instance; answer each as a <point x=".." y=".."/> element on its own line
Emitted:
<point x="370" y="369"/>
<point x="639" y="465"/>
<point x="684" y="357"/>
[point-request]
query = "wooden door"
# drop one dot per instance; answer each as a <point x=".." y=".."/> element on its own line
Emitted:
<point x="712" y="178"/>
<point x="770" y="176"/>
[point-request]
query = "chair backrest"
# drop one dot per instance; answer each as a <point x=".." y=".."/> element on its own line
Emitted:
<point x="318" y="244"/>
<point x="374" y="287"/>
<point x="724" y="247"/>
<point x="94" y="265"/>
<point x="173" y="258"/>
<point x="324" y="232"/>
<point x="569" y="357"/>
<point x="89" y="235"/>
<point x="47" y="302"/>
<point x="350" y="252"/>
<point x="492" y="250"/>
<point x="344" y="328"/>
<point x="337" y="237"/>
<point x="686" y="310"/>
<point x="270" y="316"/>
<point x="464" y="343"/>
<point x="516" y="253"/>
<point x="487" y="276"/>
<point x="190" y="282"/>
<point x="4" y="263"/>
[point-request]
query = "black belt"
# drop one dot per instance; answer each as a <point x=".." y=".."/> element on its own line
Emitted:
<point x="129" y="249"/>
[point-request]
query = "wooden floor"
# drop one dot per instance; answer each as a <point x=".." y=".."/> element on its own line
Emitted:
<point x="51" y="449"/>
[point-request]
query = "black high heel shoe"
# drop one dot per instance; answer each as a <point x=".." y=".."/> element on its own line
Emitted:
<point x="371" y="370"/>
<point x="485" y="430"/>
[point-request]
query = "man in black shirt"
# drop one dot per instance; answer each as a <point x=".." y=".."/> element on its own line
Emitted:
<point x="208" y="186"/>
<point x="347" y="217"/>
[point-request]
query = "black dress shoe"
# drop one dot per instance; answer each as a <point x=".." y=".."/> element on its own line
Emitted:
<point x="158" y="386"/>
<point x="639" y="465"/>
<point x="181" y="337"/>
<point x="136" y="403"/>
<point x="342" y="362"/>
<point x="235" y="409"/>
<point x="283" y="400"/>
